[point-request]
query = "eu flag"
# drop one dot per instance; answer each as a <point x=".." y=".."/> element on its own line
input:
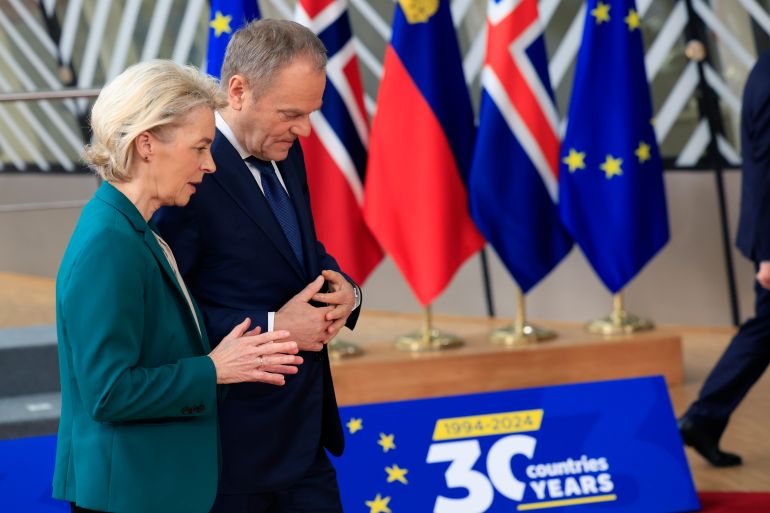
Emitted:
<point x="611" y="193"/>
<point x="227" y="16"/>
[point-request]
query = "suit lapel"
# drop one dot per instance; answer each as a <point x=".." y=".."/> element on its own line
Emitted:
<point x="157" y="251"/>
<point x="118" y="201"/>
<point x="160" y="256"/>
<point x="204" y="334"/>
<point x="236" y="179"/>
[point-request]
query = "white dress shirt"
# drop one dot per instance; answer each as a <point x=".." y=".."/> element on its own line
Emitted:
<point x="223" y="127"/>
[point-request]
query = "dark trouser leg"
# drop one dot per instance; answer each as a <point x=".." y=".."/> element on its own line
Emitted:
<point x="316" y="492"/>
<point x="742" y="364"/>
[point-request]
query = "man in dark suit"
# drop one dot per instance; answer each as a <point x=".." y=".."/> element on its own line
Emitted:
<point x="247" y="247"/>
<point x="748" y="355"/>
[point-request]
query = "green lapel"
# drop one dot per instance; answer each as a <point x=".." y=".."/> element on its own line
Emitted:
<point x="110" y="195"/>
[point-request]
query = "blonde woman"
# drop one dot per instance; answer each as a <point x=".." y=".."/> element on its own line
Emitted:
<point x="138" y="429"/>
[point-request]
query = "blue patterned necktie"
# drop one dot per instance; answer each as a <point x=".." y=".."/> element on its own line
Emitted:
<point x="280" y="204"/>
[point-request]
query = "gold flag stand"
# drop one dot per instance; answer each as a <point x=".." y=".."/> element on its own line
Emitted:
<point x="428" y="339"/>
<point x="520" y="332"/>
<point x="619" y="322"/>
<point x="339" y="349"/>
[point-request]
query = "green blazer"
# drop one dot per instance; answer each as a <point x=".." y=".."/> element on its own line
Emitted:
<point x="138" y="428"/>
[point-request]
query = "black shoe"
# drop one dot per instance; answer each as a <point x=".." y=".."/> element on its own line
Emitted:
<point x="706" y="444"/>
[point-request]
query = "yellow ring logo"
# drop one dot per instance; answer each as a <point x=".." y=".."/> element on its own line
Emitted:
<point x="418" y="11"/>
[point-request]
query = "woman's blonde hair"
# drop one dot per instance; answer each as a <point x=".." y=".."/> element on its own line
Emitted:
<point x="148" y="96"/>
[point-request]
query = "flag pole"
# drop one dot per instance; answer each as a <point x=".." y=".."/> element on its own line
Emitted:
<point x="428" y="338"/>
<point x="486" y="282"/>
<point x="520" y="332"/>
<point x="619" y="322"/>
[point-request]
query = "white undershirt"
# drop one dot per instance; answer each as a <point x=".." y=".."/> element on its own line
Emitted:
<point x="172" y="262"/>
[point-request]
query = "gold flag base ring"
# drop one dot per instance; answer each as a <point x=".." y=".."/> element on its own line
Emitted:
<point x="619" y="322"/>
<point x="520" y="335"/>
<point x="623" y="324"/>
<point x="339" y="349"/>
<point x="435" y="340"/>
<point x="427" y="339"/>
<point x="520" y="332"/>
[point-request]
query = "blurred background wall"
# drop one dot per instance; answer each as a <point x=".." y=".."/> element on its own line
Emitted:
<point x="54" y="44"/>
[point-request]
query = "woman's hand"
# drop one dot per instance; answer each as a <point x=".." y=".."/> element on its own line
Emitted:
<point x="248" y="356"/>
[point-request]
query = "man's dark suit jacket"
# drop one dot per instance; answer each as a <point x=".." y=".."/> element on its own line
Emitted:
<point x="238" y="263"/>
<point x="754" y="227"/>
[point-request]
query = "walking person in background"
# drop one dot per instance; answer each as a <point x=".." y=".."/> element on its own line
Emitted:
<point x="138" y="429"/>
<point x="748" y="355"/>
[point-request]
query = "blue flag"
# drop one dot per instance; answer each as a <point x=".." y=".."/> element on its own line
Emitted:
<point x="227" y="16"/>
<point x="513" y="184"/>
<point x="611" y="193"/>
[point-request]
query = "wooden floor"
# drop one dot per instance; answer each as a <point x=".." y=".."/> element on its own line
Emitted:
<point x="26" y="301"/>
<point x="748" y="433"/>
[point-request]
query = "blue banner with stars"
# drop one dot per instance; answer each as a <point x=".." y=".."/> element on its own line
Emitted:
<point x="611" y="193"/>
<point x="587" y="448"/>
<point x="227" y="16"/>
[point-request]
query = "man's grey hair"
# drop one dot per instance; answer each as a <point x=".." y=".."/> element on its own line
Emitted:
<point x="259" y="50"/>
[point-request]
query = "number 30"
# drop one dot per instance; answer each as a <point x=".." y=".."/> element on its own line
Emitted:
<point x="460" y="474"/>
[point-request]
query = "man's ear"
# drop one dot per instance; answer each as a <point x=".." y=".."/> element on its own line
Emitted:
<point x="237" y="88"/>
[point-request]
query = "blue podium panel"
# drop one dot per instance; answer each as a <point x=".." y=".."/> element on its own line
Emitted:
<point x="599" y="447"/>
<point x="26" y="471"/>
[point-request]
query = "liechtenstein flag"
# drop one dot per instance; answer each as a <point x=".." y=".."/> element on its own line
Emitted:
<point x="227" y="16"/>
<point x="420" y="150"/>
<point x="611" y="197"/>
<point x="336" y="150"/>
<point x="514" y="179"/>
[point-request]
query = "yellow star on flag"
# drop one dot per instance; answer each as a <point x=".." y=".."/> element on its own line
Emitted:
<point x="395" y="473"/>
<point x="575" y="160"/>
<point x="601" y="12"/>
<point x="386" y="441"/>
<point x="379" y="504"/>
<point x="632" y="20"/>
<point x="611" y="166"/>
<point x="220" y="24"/>
<point x="355" y="425"/>
<point x="643" y="152"/>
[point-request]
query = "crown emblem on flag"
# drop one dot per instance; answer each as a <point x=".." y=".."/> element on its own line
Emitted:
<point x="418" y="11"/>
